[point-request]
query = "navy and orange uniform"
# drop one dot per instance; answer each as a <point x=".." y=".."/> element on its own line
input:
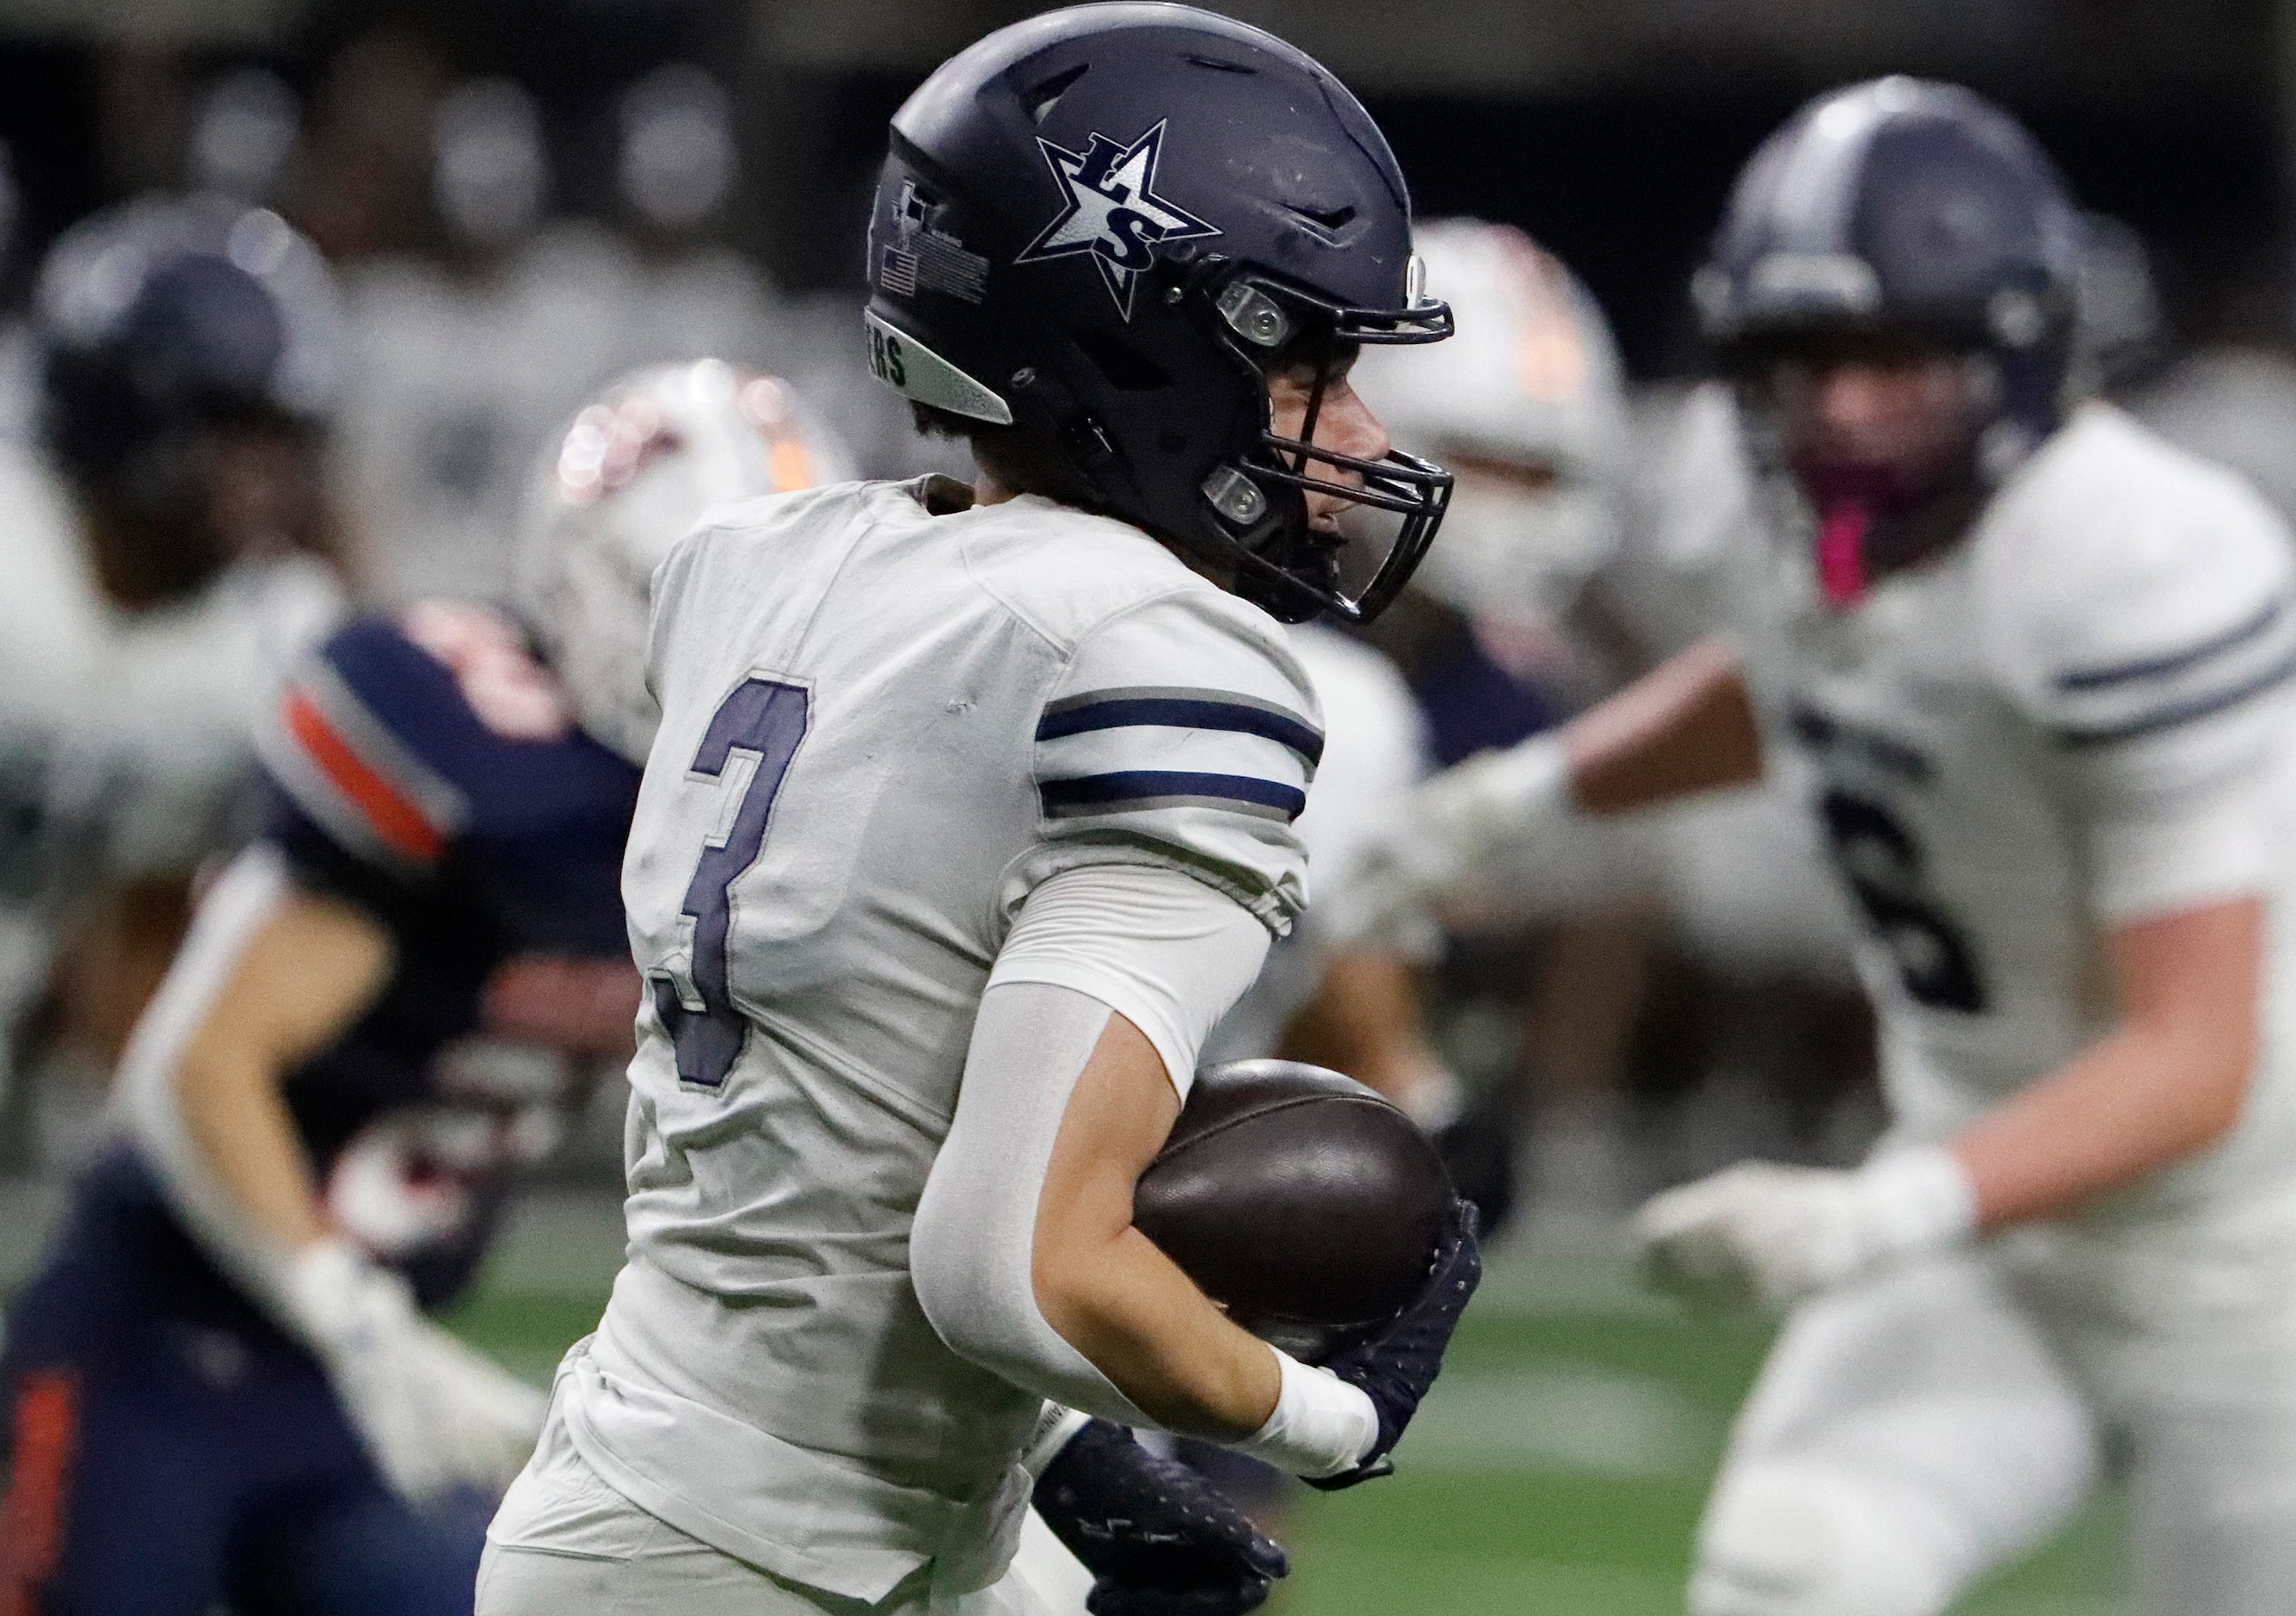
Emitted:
<point x="173" y="1450"/>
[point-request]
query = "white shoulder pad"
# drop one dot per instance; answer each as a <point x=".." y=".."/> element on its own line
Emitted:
<point x="1185" y="732"/>
<point x="2130" y="589"/>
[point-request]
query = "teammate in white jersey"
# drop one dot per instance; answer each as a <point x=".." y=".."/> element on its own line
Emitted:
<point x="2036" y="658"/>
<point x="163" y="550"/>
<point x="970" y="813"/>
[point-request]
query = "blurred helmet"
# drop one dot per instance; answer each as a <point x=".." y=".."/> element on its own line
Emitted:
<point x="489" y="172"/>
<point x="627" y="479"/>
<point x="1532" y="399"/>
<point x="244" y="134"/>
<point x="159" y="319"/>
<point x="1103" y="226"/>
<point x="677" y="162"/>
<point x="1905" y="205"/>
<point x="2119" y="330"/>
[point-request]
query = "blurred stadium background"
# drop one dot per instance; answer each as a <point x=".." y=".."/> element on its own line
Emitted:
<point x="525" y="198"/>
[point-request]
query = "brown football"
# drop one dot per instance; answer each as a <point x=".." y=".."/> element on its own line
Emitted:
<point x="1297" y="1199"/>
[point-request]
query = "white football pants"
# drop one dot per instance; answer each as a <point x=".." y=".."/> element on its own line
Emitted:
<point x="1910" y="1433"/>
<point x="566" y="1544"/>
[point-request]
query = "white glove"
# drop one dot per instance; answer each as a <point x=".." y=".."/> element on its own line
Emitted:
<point x="1448" y="828"/>
<point x="1762" y="1232"/>
<point x="433" y="1413"/>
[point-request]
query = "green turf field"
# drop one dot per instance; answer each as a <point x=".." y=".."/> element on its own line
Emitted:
<point x="1557" y="1471"/>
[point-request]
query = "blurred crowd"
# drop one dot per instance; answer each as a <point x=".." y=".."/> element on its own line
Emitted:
<point x="1673" y="996"/>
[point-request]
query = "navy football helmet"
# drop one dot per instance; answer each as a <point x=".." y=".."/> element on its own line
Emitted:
<point x="160" y="319"/>
<point x="1105" y="225"/>
<point x="1905" y="205"/>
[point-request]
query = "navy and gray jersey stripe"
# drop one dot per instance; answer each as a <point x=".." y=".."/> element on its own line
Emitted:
<point x="2124" y="701"/>
<point x="1130" y="791"/>
<point x="1111" y="775"/>
<point x="2174" y="661"/>
<point x="1181" y="706"/>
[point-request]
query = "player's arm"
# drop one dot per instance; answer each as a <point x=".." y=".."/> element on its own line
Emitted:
<point x="1023" y="1251"/>
<point x="2167" y="1081"/>
<point x="1156" y="1536"/>
<point x="302" y="977"/>
<point x="268" y="975"/>
<point x="1109" y="1292"/>
<point x="2171" y="711"/>
<point x="1167" y="853"/>
<point x="1686" y="726"/>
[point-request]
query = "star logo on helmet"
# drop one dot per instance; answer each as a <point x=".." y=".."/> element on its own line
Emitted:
<point x="1111" y="211"/>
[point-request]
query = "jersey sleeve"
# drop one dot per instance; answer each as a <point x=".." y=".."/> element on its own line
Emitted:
<point x="362" y="752"/>
<point x="1183" y="732"/>
<point x="2155" y="659"/>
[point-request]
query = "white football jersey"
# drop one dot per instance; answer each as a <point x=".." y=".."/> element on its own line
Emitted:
<point x="882" y="728"/>
<point x="124" y="736"/>
<point x="1993" y="735"/>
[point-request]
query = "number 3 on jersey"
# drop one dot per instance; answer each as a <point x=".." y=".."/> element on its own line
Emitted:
<point x="747" y="749"/>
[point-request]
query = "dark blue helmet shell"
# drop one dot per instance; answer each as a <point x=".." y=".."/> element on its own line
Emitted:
<point x="162" y="316"/>
<point x="1101" y="225"/>
<point x="1909" y="205"/>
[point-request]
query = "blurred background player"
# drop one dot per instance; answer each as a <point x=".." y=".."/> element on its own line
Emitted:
<point x="463" y="359"/>
<point x="223" y="1371"/>
<point x="168" y="550"/>
<point x="675" y="168"/>
<point x="242" y="140"/>
<point x="2037" y="659"/>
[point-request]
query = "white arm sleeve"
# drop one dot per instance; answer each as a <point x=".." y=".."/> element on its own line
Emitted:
<point x="1169" y="953"/>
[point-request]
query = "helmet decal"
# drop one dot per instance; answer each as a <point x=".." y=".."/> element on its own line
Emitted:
<point x="919" y="255"/>
<point x="1110" y="210"/>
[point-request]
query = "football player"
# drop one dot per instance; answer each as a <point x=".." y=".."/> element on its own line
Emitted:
<point x="461" y="366"/>
<point x="675" y="170"/>
<point x="223" y="1384"/>
<point x="2037" y="660"/>
<point x="163" y="549"/>
<point x="970" y="813"/>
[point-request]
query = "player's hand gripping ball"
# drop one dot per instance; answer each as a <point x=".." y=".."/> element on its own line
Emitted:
<point x="1321" y="1217"/>
<point x="1298" y="1200"/>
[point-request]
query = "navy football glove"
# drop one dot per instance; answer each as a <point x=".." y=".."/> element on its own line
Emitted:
<point x="1158" y="1539"/>
<point x="1397" y="1363"/>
